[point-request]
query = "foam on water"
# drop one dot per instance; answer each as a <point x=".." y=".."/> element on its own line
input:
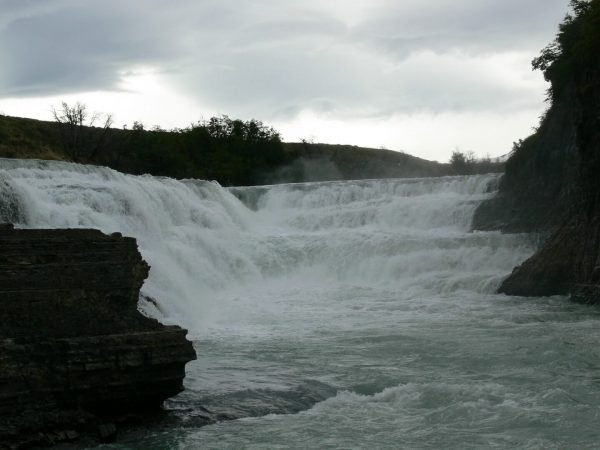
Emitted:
<point x="201" y="241"/>
<point x="356" y="314"/>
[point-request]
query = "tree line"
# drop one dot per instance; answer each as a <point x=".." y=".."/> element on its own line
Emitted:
<point x="232" y="151"/>
<point x="466" y="163"/>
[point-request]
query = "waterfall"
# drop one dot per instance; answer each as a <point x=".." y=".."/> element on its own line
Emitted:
<point x="204" y="242"/>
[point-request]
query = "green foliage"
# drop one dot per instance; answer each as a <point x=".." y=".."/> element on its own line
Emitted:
<point x="571" y="64"/>
<point x="467" y="164"/>
<point x="575" y="47"/>
<point x="563" y="143"/>
<point x="233" y="152"/>
<point x="459" y="162"/>
<point x="521" y="153"/>
<point x="79" y="136"/>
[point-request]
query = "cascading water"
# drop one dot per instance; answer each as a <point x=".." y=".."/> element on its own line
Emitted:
<point x="355" y="314"/>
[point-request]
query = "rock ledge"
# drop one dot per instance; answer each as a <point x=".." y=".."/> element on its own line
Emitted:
<point x="75" y="353"/>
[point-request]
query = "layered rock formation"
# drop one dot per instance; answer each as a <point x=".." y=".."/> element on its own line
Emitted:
<point x="552" y="181"/>
<point x="75" y="354"/>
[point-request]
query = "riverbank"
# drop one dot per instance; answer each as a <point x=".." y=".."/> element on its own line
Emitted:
<point x="77" y="356"/>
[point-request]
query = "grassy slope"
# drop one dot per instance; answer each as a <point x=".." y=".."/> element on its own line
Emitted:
<point x="29" y="138"/>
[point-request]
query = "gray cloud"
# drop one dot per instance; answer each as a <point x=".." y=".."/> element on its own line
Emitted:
<point x="279" y="84"/>
<point x="470" y="25"/>
<point x="76" y="46"/>
<point x="273" y="59"/>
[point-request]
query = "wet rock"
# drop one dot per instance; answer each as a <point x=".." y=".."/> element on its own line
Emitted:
<point x="567" y="263"/>
<point x="107" y="432"/>
<point x="71" y="435"/>
<point x="74" y="350"/>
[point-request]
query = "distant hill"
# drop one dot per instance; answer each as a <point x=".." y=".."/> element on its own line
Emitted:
<point x="324" y="162"/>
<point x="229" y="151"/>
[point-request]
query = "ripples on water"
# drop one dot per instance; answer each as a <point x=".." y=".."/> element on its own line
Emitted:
<point x="338" y="315"/>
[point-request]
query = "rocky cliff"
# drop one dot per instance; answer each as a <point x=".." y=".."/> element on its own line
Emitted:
<point x="75" y="354"/>
<point x="552" y="180"/>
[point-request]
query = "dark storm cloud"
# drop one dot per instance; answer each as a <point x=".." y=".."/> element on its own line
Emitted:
<point x="270" y="58"/>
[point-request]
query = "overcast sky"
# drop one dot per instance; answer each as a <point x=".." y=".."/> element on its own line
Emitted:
<point x="422" y="76"/>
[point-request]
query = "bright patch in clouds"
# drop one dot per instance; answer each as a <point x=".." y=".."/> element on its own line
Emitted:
<point x="140" y="96"/>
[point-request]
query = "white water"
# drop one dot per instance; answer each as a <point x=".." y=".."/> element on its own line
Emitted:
<point x="354" y="314"/>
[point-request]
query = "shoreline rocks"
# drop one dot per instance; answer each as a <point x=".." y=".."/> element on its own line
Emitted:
<point x="76" y="356"/>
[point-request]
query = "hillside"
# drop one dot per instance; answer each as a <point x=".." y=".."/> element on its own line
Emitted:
<point x="229" y="151"/>
<point x="325" y="162"/>
<point x="29" y="138"/>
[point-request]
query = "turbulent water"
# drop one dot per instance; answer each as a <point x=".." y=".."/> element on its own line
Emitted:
<point x="356" y="314"/>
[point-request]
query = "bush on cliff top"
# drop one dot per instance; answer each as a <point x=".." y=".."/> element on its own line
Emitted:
<point x="576" y="44"/>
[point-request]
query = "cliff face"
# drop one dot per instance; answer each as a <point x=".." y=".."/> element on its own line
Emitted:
<point x="74" y="351"/>
<point x="536" y="191"/>
<point x="552" y="181"/>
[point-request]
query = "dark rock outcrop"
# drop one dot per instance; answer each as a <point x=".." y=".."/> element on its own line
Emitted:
<point x="75" y="354"/>
<point x="552" y="181"/>
<point x="536" y="191"/>
<point x="567" y="263"/>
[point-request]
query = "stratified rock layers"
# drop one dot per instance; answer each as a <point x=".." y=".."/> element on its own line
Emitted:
<point x="73" y="345"/>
